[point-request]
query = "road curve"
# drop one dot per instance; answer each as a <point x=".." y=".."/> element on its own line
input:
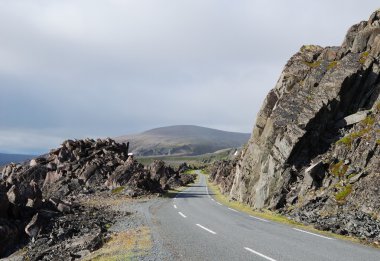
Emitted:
<point x="193" y="226"/>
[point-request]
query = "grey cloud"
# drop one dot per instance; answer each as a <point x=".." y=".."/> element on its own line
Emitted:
<point x="71" y="69"/>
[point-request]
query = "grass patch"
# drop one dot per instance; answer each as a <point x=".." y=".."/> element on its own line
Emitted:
<point x="117" y="190"/>
<point x="352" y="175"/>
<point x="348" y="139"/>
<point x="338" y="169"/>
<point x="363" y="57"/>
<point x="332" y="65"/>
<point x="378" y="142"/>
<point x="129" y="245"/>
<point x="313" y="64"/>
<point x="343" y="194"/>
<point x="369" y="120"/>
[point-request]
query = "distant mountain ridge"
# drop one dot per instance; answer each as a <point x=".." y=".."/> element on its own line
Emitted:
<point x="6" y="158"/>
<point x="183" y="140"/>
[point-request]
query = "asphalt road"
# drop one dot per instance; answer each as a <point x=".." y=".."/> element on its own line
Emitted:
<point x="193" y="226"/>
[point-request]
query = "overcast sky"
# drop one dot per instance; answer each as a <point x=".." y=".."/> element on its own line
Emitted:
<point x="73" y="68"/>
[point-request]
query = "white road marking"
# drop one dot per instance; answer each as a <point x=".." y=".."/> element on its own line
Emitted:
<point x="218" y="203"/>
<point x="205" y="228"/>
<point x="259" y="218"/>
<point x="233" y="209"/>
<point x="213" y="199"/>
<point x="313" y="234"/>
<point x="182" y="214"/>
<point x="175" y="206"/>
<point x="259" y="254"/>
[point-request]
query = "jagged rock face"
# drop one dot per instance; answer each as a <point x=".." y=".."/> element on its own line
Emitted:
<point x="318" y="87"/>
<point x="222" y="173"/>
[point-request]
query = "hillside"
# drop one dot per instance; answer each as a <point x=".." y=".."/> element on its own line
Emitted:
<point x="8" y="158"/>
<point x="183" y="140"/>
<point x="314" y="152"/>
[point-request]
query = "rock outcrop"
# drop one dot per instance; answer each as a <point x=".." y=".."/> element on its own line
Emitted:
<point x="314" y="150"/>
<point x="38" y="200"/>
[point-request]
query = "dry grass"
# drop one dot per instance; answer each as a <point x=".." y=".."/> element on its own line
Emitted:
<point x="129" y="245"/>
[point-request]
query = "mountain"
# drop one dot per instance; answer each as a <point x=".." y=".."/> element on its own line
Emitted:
<point x="314" y="151"/>
<point x="183" y="140"/>
<point x="8" y="158"/>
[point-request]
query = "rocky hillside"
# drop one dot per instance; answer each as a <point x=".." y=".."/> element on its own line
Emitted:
<point x="183" y="140"/>
<point x="40" y="201"/>
<point x="314" y="151"/>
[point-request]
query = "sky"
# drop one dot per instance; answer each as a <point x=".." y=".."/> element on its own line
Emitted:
<point x="84" y="68"/>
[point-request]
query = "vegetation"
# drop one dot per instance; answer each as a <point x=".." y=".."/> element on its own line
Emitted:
<point x="363" y="57"/>
<point x="332" y="65"/>
<point x="369" y="120"/>
<point x="352" y="175"/>
<point x="117" y="190"/>
<point x="339" y="169"/>
<point x="343" y="194"/>
<point x="348" y="139"/>
<point x="129" y="245"/>
<point x="313" y="64"/>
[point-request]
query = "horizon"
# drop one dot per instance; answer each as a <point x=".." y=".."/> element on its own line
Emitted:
<point x="81" y="69"/>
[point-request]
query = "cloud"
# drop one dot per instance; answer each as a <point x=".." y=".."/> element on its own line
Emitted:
<point x="83" y="68"/>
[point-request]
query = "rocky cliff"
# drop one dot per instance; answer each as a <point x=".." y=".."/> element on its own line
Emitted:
<point x="40" y="201"/>
<point x="314" y="150"/>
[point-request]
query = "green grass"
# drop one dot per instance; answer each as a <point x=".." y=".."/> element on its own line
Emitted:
<point x="343" y="194"/>
<point x="348" y="139"/>
<point x="332" y="65"/>
<point x="313" y="64"/>
<point x="338" y="169"/>
<point x="117" y="190"/>
<point x="363" y="57"/>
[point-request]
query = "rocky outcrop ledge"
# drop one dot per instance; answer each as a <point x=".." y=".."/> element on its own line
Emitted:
<point x="314" y="151"/>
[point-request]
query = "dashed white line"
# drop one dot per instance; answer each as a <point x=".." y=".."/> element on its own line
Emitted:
<point x="259" y="254"/>
<point x="307" y="232"/>
<point x="218" y="203"/>
<point x="205" y="228"/>
<point x="259" y="218"/>
<point x="182" y="214"/>
<point x="213" y="199"/>
<point x="233" y="209"/>
<point x="175" y="206"/>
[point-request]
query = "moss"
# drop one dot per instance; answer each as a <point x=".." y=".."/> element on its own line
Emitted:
<point x="117" y="190"/>
<point x="313" y="64"/>
<point x="332" y="65"/>
<point x="346" y="140"/>
<point x="363" y="57"/>
<point x="343" y="194"/>
<point x="352" y="175"/>
<point x="369" y="120"/>
<point x="378" y="142"/>
<point x="338" y="169"/>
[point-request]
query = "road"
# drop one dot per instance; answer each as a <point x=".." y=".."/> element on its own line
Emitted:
<point x="193" y="226"/>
